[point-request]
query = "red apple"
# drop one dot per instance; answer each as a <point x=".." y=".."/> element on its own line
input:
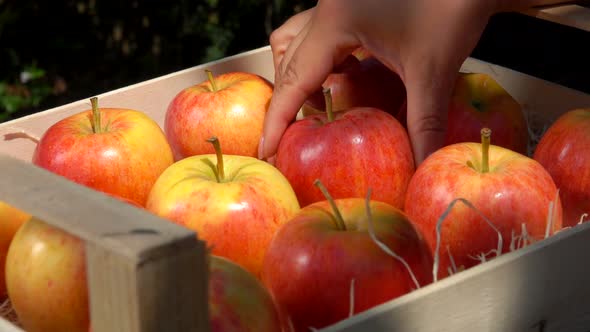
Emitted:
<point x="234" y="203"/>
<point x="361" y="81"/>
<point x="46" y="279"/>
<point x="238" y="301"/>
<point x="479" y="101"/>
<point x="511" y="190"/>
<point x="326" y="250"/>
<point x="113" y="150"/>
<point x="351" y="151"/>
<point x="564" y="150"/>
<point x="10" y="221"/>
<point x="231" y="106"/>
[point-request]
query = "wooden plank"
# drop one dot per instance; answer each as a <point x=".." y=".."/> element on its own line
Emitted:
<point x="6" y="326"/>
<point x="542" y="287"/>
<point x="145" y="273"/>
<point x="571" y="15"/>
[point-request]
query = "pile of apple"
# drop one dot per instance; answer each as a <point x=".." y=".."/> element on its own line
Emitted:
<point x="341" y="221"/>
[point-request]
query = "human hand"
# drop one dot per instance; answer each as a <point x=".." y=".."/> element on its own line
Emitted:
<point x="424" y="41"/>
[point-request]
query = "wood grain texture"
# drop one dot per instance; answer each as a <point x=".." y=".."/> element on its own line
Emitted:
<point x="144" y="272"/>
<point x="539" y="288"/>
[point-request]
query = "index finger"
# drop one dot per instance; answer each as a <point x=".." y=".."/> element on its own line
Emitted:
<point x="305" y="71"/>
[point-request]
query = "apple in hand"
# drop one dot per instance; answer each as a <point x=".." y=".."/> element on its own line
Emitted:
<point x="351" y="151"/>
<point x="112" y="150"/>
<point x="564" y="151"/>
<point x="231" y="106"/>
<point x="238" y="301"/>
<point x="10" y="221"/>
<point x="361" y="81"/>
<point x="234" y="203"/>
<point x="510" y="189"/>
<point x="325" y="250"/>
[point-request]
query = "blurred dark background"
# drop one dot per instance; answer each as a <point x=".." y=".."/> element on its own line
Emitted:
<point x="56" y="52"/>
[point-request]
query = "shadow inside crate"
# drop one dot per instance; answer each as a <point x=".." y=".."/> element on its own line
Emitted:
<point x="537" y="47"/>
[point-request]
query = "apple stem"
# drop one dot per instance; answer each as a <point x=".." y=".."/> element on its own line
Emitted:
<point x="217" y="146"/>
<point x="96" y="126"/>
<point x="211" y="80"/>
<point x="328" y="101"/>
<point x="339" y="220"/>
<point x="486" y="134"/>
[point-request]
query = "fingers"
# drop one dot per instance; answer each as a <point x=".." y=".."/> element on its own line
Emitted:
<point x="304" y="68"/>
<point x="281" y="38"/>
<point x="428" y="96"/>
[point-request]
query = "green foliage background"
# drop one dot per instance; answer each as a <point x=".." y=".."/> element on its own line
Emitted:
<point x="54" y="52"/>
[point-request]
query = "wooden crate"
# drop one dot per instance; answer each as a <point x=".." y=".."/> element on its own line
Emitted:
<point x="147" y="274"/>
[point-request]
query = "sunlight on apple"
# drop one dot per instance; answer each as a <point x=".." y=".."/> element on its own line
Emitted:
<point x="110" y="153"/>
<point x="238" y="206"/>
<point x="311" y="153"/>
<point x="238" y="110"/>
<point x="564" y="152"/>
<point x="357" y="140"/>
<point x="303" y="260"/>
<point x="38" y="248"/>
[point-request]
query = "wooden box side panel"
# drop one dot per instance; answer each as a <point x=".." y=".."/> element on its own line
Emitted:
<point x="539" y="288"/>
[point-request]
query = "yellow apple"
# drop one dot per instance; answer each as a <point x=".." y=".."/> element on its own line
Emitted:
<point x="234" y="203"/>
<point x="46" y="279"/>
<point x="479" y="101"/>
<point x="10" y="221"/>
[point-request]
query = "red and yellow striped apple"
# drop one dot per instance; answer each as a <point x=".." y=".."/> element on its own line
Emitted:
<point x="351" y="151"/>
<point x="361" y="81"/>
<point x="231" y="106"/>
<point x="510" y="189"/>
<point x="113" y="150"/>
<point x="326" y="249"/>
<point x="234" y="203"/>
<point x="564" y="150"/>
<point x="479" y="101"/>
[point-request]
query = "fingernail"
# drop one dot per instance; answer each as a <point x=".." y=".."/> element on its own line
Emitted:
<point x="261" y="148"/>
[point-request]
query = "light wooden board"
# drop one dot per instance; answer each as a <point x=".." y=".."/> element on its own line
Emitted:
<point x="542" y="288"/>
<point x="145" y="273"/>
<point x="6" y="326"/>
<point x="571" y="15"/>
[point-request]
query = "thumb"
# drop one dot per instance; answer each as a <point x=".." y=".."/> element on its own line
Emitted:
<point x="428" y="97"/>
